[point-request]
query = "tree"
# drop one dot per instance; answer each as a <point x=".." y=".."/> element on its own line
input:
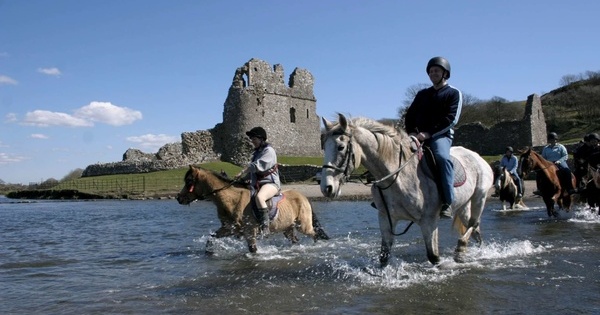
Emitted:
<point x="409" y="95"/>
<point x="74" y="174"/>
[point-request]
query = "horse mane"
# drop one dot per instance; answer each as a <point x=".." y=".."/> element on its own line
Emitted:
<point x="546" y="166"/>
<point x="217" y="175"/>
<point x="389" y="139"/>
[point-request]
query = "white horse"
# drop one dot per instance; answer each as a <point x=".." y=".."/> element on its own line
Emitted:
<point x="405" y="189"/>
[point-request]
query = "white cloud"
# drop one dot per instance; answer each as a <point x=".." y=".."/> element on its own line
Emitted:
<point x="44" y="118"/>
<point x="50" y="71"/>
<point x="7" y="80"/>
<point x="38" y="136"/>
<point x="6" y="158"/>
<point x="150" y="141"/>
<point x="108" y="113"/>
<point x="10" y="117"/>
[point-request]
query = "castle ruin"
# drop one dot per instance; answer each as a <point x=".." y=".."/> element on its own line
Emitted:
<point x="258" y="96"/>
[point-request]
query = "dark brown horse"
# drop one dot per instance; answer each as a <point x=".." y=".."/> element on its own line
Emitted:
<point x="234" y="208"/>
<point x="547" y="179"/>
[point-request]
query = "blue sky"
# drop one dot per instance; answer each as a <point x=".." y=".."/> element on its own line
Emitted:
<point x="83" y="81"/>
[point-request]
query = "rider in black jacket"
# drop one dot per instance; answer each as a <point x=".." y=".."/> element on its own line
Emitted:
<point x="431" y="118"/>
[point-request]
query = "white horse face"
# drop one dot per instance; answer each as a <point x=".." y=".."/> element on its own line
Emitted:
<point x="337" y="160"/>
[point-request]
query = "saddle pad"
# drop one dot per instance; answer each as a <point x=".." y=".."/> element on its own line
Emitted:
<point x="460" y="176"/>
<point x="272" y="205"/>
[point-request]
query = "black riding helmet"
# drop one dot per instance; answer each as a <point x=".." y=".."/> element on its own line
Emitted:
<point x="552" y="136"/>
<point x="509" y="149"/>
<point x="258" y="132"/>
<point x="593" y="136"/>
<point x="440" y="62"/>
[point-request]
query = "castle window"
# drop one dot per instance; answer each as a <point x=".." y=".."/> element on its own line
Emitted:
<point x="307" y="114"/>
<point x="292" y="115"/>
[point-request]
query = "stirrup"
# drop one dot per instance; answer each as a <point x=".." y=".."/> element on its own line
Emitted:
<point x="446" y="212"/>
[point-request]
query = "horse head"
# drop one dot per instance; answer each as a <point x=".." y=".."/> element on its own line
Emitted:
<point x="188" y="193"/>
<point x="499" y="177"/>
<point x="340" y="156"/>
<point x="526" y="162"/>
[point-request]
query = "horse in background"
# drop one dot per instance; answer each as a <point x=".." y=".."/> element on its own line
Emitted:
<point x="592" y="180"/>
<point x="234" y="208"/>
<point x="506" y="188"/>
<point x="547" y="180"/>
<point x="406" y="188"/>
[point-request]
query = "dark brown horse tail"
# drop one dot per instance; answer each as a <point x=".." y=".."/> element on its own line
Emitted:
<point x="319" y="232"/>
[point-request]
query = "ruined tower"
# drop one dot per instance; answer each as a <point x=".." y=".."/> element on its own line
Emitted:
<point x="258" y="96"/>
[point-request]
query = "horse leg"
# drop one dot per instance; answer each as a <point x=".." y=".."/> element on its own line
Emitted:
<point x="290" y="235"/>
<point x="430" y="235"/>
<point x="549" y="206"/>
<point x="387" y="239"/>
<point x="318" y="229"/>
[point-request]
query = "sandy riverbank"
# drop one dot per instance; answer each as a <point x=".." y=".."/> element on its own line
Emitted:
<point x="359" y="191"/>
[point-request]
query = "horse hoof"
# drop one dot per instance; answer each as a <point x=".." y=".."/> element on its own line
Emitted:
<point x="252" y="248"/>
<point x="460" y="257"/>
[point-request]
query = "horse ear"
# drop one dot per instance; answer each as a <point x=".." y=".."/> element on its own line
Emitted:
<point x="343" y="121"/>
<point x="328" y="125"/>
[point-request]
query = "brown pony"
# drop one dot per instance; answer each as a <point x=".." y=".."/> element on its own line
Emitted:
<point x="234" y="208"/>
<point x="547" y="180"/>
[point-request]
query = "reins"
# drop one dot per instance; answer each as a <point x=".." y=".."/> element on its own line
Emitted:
<point x="395" y="174"/>
<point x="214" y="191"/>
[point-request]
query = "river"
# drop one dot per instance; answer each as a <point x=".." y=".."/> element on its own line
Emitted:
<point x="147" y="257"/>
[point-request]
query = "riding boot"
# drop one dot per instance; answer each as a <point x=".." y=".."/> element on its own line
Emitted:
<point x="264" y="221"/>
<point x="446" y="212"/>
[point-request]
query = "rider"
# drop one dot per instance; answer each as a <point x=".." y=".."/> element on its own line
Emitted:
<point x="264" y="176"/>
<point x="431" y="118"/>
<point x="582" y="155"/>
<point x="557" y="153"/>
<point x="511" y="163"/>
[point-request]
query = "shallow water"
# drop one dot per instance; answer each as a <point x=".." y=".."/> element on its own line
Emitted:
<point x="147" y="257"/>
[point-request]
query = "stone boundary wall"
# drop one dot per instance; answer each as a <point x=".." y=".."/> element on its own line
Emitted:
<point x="530" y="131"/>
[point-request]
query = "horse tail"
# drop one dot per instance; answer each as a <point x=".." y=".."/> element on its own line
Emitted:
<point x="458" y="225"/>
<point x="319" y="232"/>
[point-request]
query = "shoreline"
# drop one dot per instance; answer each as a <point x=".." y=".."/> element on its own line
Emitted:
<point x="356" y="191"/>
<point x="351" y="191"/>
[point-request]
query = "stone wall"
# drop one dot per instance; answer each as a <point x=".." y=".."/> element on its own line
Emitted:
<point x="530" y="131"/>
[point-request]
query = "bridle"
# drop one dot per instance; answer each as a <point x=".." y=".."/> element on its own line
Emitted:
<point x="194" y="180"/>
<point x="346" y="166"/>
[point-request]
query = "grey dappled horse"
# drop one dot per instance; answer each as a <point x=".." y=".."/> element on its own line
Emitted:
<point x="404" y="190"/>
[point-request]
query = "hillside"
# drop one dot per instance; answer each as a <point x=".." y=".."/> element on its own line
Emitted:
<point x="572" y="110"/>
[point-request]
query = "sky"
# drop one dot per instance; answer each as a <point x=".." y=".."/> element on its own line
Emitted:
<point x="83" y="81"/>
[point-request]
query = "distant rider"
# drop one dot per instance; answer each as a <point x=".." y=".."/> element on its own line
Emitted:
<point x="511" y="163"/>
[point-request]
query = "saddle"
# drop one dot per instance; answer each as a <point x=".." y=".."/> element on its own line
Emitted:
<point x="431" y="168"/>
<point x="272" y="205"/>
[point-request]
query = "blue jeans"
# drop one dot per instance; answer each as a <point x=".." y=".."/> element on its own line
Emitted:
<point x="441" y="151"/>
